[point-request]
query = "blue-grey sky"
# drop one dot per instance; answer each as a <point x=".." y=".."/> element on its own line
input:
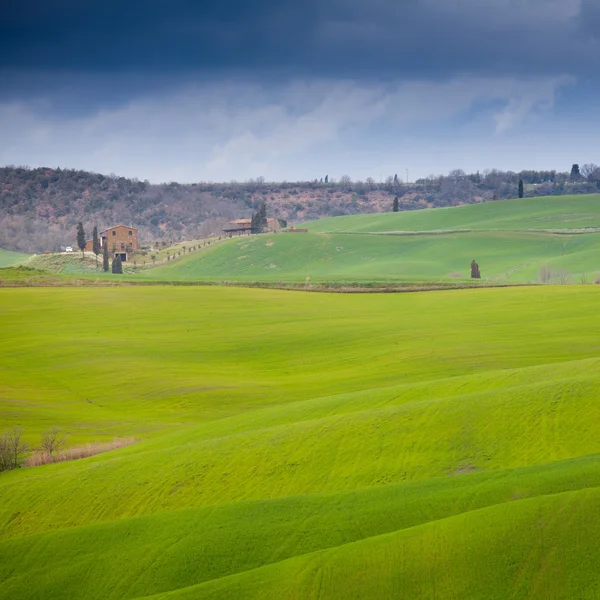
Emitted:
<point x="235" y="89"/>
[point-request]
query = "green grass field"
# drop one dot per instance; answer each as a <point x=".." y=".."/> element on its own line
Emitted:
<point x="525" y="214"/>
<point x="512" y="240"/>
<point x="296" y="445"/>
<point x="504" y="257"/>
<point x="8" y="258"/>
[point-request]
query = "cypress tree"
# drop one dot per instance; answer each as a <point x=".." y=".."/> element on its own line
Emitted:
<point x="95" y="244"/>
<point x="262" y="216"/>
<point x="396" y="206"/>
<point x="105" y="258"/>
<point x="117" y="265"/>
<point x="521" y="188"/>
<point x="81" y="237"/>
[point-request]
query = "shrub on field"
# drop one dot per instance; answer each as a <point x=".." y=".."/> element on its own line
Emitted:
<point x="563" y="277"/>
<point x="12" y="449"/>
<point x="545" y="274"/>
<point x="52" y="441"/>
<point x="41" y="457"/>
<point x="117" y="265"/>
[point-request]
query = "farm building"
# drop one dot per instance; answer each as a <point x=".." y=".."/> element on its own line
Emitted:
<point x="244" y="226"/>
<point x="121" y="240"/>
<point x="238" y="227"/>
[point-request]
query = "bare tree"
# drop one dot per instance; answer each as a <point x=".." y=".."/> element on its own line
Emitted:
<point x="53" y="441"/>
<point x="12" y="449"/>
<point x="345" y="181"/>
<point x="563" y="277"/>
<point x="545" y="274"/>
<point x="588" y="169"/>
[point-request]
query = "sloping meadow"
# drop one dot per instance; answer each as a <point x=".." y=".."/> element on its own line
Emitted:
<point x="296" y="445"/>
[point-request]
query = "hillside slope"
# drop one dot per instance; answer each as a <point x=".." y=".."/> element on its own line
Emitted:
<point x="511" y="240"/>
<point x="545" y="213"/>
<point x="304" y="446"/>
<point x="8" y="259"/>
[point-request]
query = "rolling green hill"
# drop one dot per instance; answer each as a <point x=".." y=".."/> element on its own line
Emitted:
<point x="544" y="213"/>
<point x="512" y="241"/>
<point x="292" y="445"/>
<point x="503" y="257"/>
<point x="8" y="258"/>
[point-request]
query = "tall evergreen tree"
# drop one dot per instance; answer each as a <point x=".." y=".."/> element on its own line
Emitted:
<point x="117" y="265"/>
<point x="521" y="188"/>
<point x="396" y="205"/>
<point x="326" y="178"/>
<point x="262" y="215"/>
<point x="80" y="237"/>
<point x="575" y="173"/>
<point x="96" y="244"/>
<point x="396" y="179"/>
<point x="105" y="257"/>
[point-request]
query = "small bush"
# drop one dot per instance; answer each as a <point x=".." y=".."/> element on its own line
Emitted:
<point x="563" y="277"/>
<point x="53" y="441"/>
<point x="545" y="274"/>
<point x="11" y="449"/>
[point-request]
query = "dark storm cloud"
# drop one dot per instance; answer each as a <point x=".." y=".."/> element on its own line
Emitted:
<point x="345" y="37"/>
<point x="150" y="33"/>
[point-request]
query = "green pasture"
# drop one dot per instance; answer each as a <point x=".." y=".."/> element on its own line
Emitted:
<point x="512" y="241"/>
<point x="504" y="257"/>
<point x="301" y="445"/>
<point x="543" y="213"/>
<point x="8" y="258"/>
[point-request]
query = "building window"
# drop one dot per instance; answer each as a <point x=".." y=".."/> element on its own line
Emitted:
<point x="114" y="232"/>
<point x="130" y="233"/>
<point x="122" y="246"/>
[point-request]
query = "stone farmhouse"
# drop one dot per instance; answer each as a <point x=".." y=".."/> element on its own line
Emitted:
<point x="121" y="240"/>
<point x="244" y="226"/>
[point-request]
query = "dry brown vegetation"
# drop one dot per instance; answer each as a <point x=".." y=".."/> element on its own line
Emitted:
<point x="43" y="457"/>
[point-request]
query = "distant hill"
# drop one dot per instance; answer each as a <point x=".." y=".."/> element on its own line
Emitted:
<point x="512" y="240"/>
<point x="542" y="214"/>
<point x="39" y="208"/>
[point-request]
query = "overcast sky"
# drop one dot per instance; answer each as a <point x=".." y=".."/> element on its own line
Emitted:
<point x="193" y="90"/>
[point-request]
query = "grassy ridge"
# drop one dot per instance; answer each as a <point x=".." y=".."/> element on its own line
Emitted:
<point x="544" y="213"/>
<point x="447" y="559"/>
<point x="209" y="543"/>
<point x="300" y="445"/>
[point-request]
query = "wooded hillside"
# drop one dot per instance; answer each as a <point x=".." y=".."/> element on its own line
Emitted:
<point x="41" y="207"/>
